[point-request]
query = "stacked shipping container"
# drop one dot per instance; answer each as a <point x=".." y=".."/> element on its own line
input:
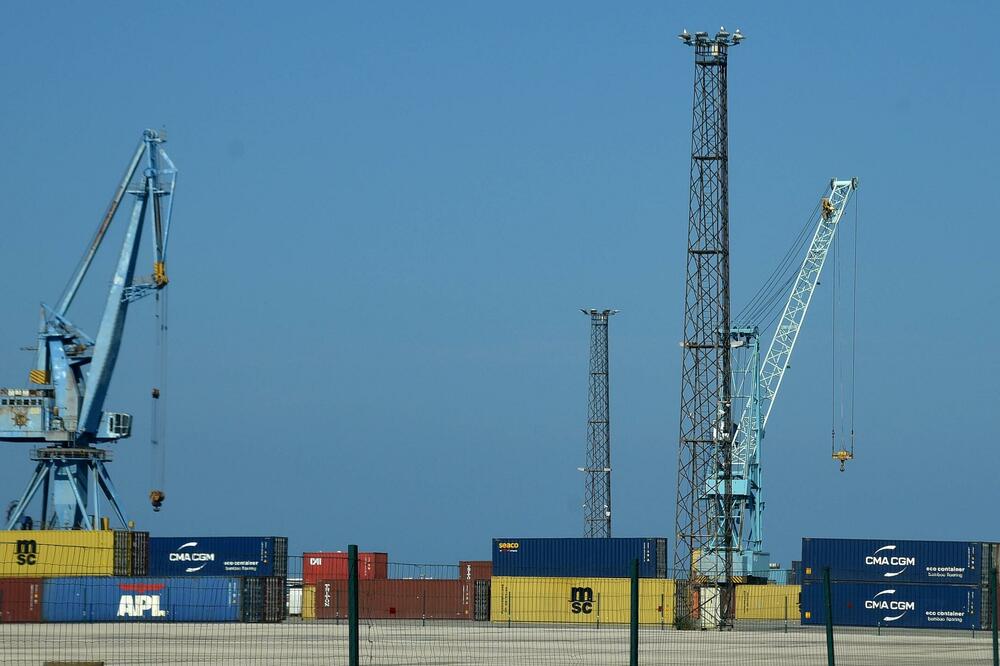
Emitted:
<point x="927" y="584"/>
<point x="101" y="576"/>
<point x="579" y="580"/>
<point x="318" y="566"/>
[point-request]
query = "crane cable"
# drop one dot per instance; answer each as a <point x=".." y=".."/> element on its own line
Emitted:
<point x="158" y="425"/>
<point x="841" y="452"/>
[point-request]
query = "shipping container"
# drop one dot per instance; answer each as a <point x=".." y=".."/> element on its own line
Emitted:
<point x="20" y="600"/>
<point x="333" y="566"/>
<point x="475" y="570"/>
<point x="93" y="599"/>
<point x="413" y="599"/>
<point x="43" y="553"/>
<point x="579" y="600"/>
<point x="263" y="599"/>
<point x="308" y="602"/>
<point x="767" y="602"/>
<point x="218" y="556"/>
<point x="892" y="561"/>
<point x="295" y="601"/>
<point x="579" y="558"/>
<point x="481" y="601"/>
<point x="891" y="605"/>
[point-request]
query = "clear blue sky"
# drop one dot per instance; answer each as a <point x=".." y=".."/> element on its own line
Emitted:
<point x="388" y="215"/>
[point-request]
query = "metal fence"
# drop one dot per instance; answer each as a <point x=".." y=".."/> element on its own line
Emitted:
<point x="395" y="613"/>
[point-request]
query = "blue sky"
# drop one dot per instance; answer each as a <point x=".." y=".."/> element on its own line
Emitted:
<point x="389" y="214"/>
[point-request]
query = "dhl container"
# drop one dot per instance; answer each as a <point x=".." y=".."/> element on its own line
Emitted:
<point x="333" y="566"/>
<point x="308" y="602"/>
<point x="46" y="553"/>
<point x="579" y="600"/>
<point x="20" y="600"/>
<point x="401" y="599"/>
<point x="767" y="602"/>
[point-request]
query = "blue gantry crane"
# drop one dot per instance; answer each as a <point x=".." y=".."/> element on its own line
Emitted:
<point x="62" y="409"/>
<point x="755" y="388"/>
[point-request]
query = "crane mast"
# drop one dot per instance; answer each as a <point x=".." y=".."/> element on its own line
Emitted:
<point x="62" y="411"/>
<point x="757" y="384"/>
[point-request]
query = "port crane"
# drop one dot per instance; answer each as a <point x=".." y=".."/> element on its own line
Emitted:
<point x="61" y="411"/>
<point x="756" y="384"/>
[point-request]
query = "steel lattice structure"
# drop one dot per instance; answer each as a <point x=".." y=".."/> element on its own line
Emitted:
<point x="597" y="491"/>
<point x="704" y="524"/>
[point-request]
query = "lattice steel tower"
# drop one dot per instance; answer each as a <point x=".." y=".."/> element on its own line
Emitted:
<point x="703" y="553"/>
<point x="597" y="491"/>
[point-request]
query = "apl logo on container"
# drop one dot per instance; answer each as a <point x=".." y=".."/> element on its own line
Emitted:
<point x="140" y="601"/>
<point x="191" y="556"/>
<point x="888" y="605"/>
<point x="888" y="559"/>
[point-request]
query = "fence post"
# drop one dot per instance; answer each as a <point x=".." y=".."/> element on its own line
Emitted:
<point x="633" y="637"/>
<point x="829" y="617"/>
<point x="352" y="605"/>
<point x="993" y="614"/>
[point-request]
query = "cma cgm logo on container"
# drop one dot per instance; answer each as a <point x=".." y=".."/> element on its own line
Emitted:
<point x="509" y="546"/>
<point x="26" y="551"/>
<point x="883" y="603"/>
<point x="581" y="600"/>
<point x="887" y="559"/>
<point x="181" y="555"/>
<point x="140" y="602"/>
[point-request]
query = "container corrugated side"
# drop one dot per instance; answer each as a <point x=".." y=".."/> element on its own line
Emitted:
<point x="894" y="561"/>
<point x="95" y="599"/>
<point x="308" y="602"/>
<point x="890" y="605"/>
<point x="398" y="599"/>
<point x="43" y="553"/>
<point x="767" y="602"/>
<point x="20" y="600"/>
<point x="579" y="600"/>
<point x="217" y="556"/>
<point x="264" y="599"/>
<point x="318" y="566"/>
<point x="475" y="569"/>
<point x="573" y="557"/>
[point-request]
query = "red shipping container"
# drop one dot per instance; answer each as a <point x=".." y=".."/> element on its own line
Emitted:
<point x="469" y="571"/>
<point x="475" y="569"/>
<point x="392" y="599"/>
<point x="333" y="566"/>
<point x="20" y="600"/>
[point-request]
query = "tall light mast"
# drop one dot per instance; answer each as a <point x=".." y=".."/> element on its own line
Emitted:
<point x="706" y="429"/>
<point x="597" y="489"/>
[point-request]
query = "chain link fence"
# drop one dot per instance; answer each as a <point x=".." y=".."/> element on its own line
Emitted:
<point x="83" y="609"/>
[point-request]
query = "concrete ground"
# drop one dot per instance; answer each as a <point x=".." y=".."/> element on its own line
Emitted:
<point x="399" y="643"/>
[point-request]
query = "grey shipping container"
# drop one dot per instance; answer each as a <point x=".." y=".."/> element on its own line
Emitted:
<point x="894" y="561"/>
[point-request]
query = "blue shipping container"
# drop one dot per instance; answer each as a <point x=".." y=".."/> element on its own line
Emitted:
<point x="218" y="556"/>
<point x="94" y="599"/>
<point x="938" y="562"/>
<point x="889" y="605"/>
<point x="580" y="558"/>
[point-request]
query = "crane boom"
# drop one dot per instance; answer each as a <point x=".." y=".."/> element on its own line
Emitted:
<point x="758" y="386"/>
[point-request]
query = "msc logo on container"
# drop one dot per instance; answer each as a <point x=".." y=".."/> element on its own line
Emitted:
<point x="26" y="551"/>
<point x="138" y="604"/>
<point x="581" y="600"/>
<point x="509" y="546"/>
<point x="890" y="560"/>
<point x="189" y="556"/>
<point x="889" y="605"/>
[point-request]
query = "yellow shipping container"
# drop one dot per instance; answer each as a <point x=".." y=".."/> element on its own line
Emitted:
<point x="579" y="600"/>
<point x="767" y="602"/>
<point x="308" y="602"/>
<point x="47" y="553"/>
